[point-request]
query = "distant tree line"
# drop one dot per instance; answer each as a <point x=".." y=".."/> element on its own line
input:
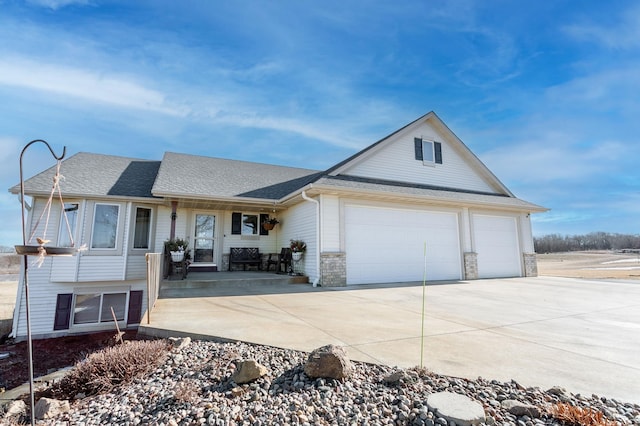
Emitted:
<point x="554" y="243"/>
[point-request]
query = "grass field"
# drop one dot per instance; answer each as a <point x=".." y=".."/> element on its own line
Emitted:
<point x="590" y="265"/>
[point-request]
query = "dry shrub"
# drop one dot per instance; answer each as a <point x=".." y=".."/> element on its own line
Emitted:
<point x="186" y="391"/>
<point x="579" y="416"/>
<point x="111" y="367"/>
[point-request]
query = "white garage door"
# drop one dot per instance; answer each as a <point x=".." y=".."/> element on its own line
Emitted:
<point x="387" y="245"/>
<point x="496" y="242"/>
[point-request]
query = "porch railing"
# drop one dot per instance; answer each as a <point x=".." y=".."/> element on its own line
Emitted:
<point x="154" y="265"/>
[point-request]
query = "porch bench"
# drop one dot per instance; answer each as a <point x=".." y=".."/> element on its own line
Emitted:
<point x="245" y="256"/>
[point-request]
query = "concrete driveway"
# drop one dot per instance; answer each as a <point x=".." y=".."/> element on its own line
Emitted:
<point x="582" y="335"/>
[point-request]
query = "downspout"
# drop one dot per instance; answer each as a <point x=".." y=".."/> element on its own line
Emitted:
<point x="174" y="216"/>
<point x="317" y="203"/>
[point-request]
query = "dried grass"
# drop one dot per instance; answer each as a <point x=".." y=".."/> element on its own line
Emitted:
<point x="187" y="391"/>
<point x="579" y="416"/>
<point x="106" y="369"/>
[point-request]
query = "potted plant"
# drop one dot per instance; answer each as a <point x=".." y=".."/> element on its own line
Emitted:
<point x="178" y="248"/>
<point x="269" y="223"/>
<point x="298" y="247"/>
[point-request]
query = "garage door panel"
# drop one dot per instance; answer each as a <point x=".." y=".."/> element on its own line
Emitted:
<point x="497" y="246"/>
<point x="387" y="245"/>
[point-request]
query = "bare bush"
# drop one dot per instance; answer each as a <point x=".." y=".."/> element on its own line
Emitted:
<point x="111" y="367"/>
<point x="579" y="416"/>
<point x="187" y="392"/>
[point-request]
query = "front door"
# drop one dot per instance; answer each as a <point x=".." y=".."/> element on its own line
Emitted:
<point x="204" y="241"/>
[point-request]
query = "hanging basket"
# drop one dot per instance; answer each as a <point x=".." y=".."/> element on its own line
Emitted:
<point x="48" y="251"/>
<point x="177" y="256"/>
<point x="268" y="226"/>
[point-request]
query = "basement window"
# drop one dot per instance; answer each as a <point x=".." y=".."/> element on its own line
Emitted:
<point x="95" y="308"/>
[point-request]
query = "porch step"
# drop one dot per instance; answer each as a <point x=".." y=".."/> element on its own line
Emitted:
<point x="201" y="284"/>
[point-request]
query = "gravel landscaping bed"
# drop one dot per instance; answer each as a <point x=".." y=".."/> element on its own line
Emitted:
<point x="194" y="387"/>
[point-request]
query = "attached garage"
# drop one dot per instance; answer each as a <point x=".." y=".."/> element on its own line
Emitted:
<point x="496" y="243"/>
<point x="387" y="245"/>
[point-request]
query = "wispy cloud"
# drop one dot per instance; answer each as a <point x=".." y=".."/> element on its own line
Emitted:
<point x="85" y="84"/>
<point x="58" y="4"/>
<point x="623" y="34"/>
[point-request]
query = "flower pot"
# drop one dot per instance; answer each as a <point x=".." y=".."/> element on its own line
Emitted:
<point x="296" y="255"/>
<point x="268" y="226"/>
<point x="177" y="256"/>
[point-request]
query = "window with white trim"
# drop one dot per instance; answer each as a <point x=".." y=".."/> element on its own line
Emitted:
<point x="142" y="228"/>
<point x="95" y="308"/>
<point x="428" y="151"/>
<point x="105" y="226"/>
<point x="249" y="224"/>
<point x="67" y="234"/>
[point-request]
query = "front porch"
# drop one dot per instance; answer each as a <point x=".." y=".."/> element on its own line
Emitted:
<point x="207" y="284"/>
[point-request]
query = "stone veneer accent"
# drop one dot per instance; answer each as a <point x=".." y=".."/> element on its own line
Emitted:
<point x="470" y="265"/>
<point x="530" y="264"/>
<point x="333" y="269"/>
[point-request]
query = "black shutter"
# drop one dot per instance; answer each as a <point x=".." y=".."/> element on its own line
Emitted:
<point x="417" y="142"/>
<point x="437" y="147"/>
<point x="135" y="307"/>
<point x="63" y="312"/>
<point x="236" y="223"/>
<point x="263" y="219"/>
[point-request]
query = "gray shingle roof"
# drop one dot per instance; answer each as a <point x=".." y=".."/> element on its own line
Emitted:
<point x="187" y="176"/>
<point x="87" y="174"/>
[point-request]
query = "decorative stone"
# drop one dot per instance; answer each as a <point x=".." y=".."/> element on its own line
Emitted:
<point x="248" y="371"/>
<point x="560" y="392"/>
<point x="180" y="342"/>
<point x="16" y="408"/>
<point x="47" y="408"/>
<point x="456" y="408"/>
<point x="399" y="377"/>
<point x="518" y="408"/>
<point x="328" y="361"/>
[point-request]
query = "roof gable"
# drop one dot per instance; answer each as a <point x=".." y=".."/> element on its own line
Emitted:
<point x="393" y="158"/>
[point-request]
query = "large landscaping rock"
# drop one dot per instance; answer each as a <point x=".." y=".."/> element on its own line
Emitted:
<point x="248" y="371"/>
<point x="329" y="361"/>
<point x="518" y="408"/>
<point x="456" y="408"/>
<point x="47" y="408"/>
<point x="16" y="409"/>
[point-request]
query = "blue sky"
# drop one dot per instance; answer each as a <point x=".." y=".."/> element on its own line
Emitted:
<point x="545" y="93"/>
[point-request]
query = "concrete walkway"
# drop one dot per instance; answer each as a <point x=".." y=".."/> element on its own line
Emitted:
<point x="582" y="335"/>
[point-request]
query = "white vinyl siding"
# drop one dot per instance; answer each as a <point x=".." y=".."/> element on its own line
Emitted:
<point x="43" y="296"/>
<point x="330" y="225"/>
<point x="496" y="243"/>
<point x="396" y="162"/>
<point x="385" y="244"/>
<point x="136" y="267"/>
<point x="299" y="223"/>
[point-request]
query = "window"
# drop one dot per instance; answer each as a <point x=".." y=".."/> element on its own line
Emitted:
<point x="249" y="224"/>
<point x="105" y="226"/>
<point x="96" y="308"/>
<point x="142" y="231"/>
<point x="429" y="152"/>
<point x="67" y="234"/>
